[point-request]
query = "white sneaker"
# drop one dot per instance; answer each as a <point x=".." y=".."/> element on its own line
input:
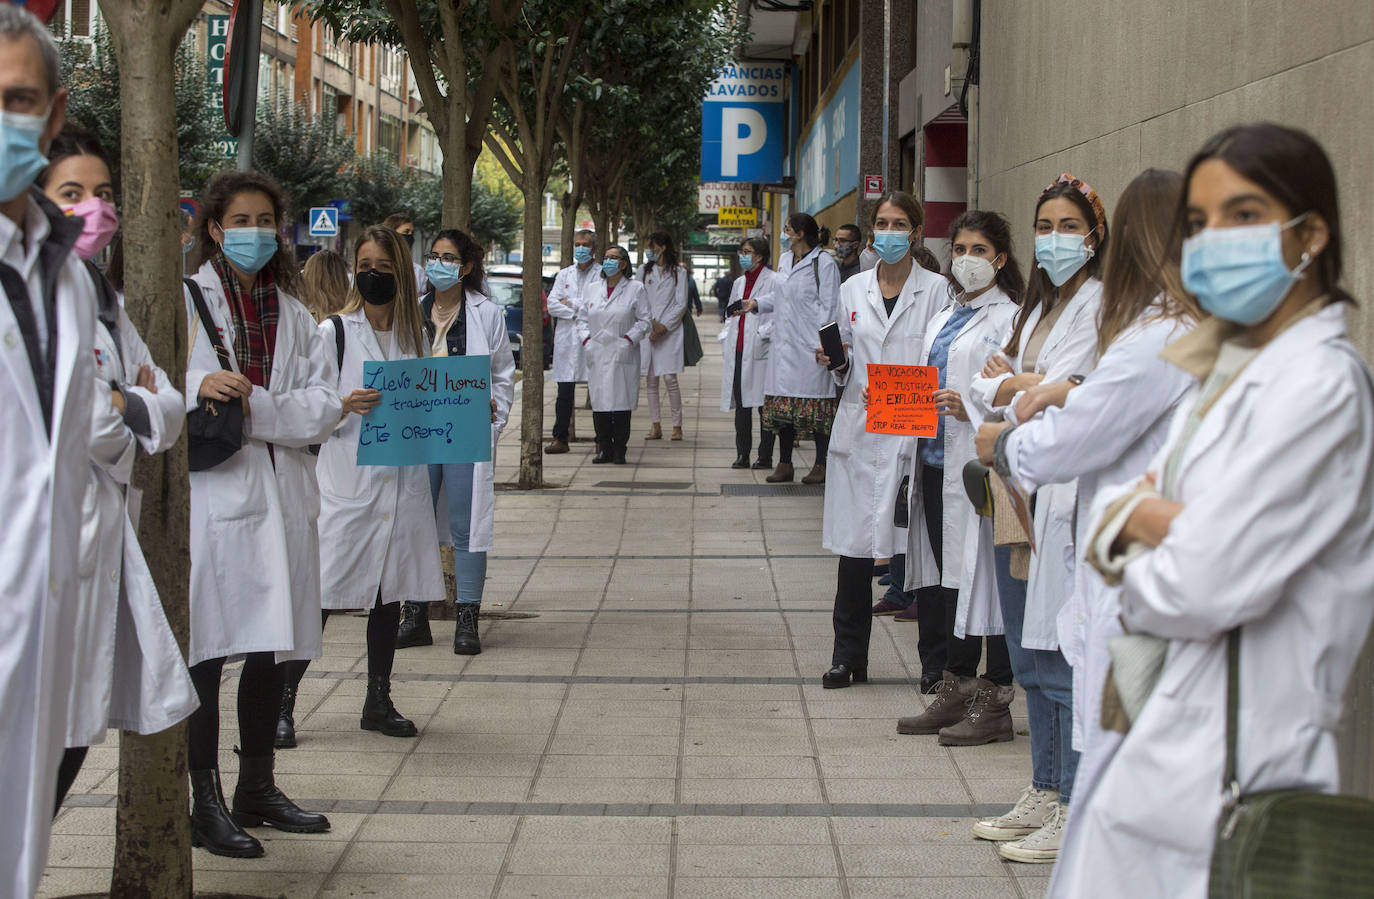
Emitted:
<point x="1029" y="814"/>
<point x="1041" y="847"/>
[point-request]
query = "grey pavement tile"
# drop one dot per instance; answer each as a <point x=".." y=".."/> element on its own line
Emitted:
<point x="757" y="888"/>
<point x="888" y="831"/>
<point x="595" y="859"/>
<point x="608" y="766"/>
<point x="72" y="850"/>
<point x="524" y="886"/>
<point x="426" y="828"/>
<point x="769" y="790"/>
<point x="931" y="888"/>
<point x="603" y="789"/>
<point x="261" y="883"/>
<point x="1006" y="789"/>
<point x="64" y="881"/>
<point x="600" y="744"/>
<point x="919" y="767"/>
<point x="411" y="886"/>
<point x="608" y="830"/>
<point x="724" y="767"/>
<point x="308" y="856"/>
<point x="458" y="789"/>
<point x="919" y="860"/>
<point x="423" y="858"/>
<point x="432" y="764"/>
<point x="315" y="761"/>
<point x="730" y="744"/>
<point x="751" y="709"/>
<point x="755" y="860"/>
<point x="1033" y="887"/>
<point x="616" y="693"/>
<point x="624" y="708"/>
<point x="625" y="727"/>
<point x="904" y="790"/>
<point x="776" y="831"/>
<point x="480" y="743"/>
<point x="93" y="822"/>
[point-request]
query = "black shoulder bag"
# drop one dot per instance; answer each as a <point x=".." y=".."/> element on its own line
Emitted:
<point x="214" y="430"/>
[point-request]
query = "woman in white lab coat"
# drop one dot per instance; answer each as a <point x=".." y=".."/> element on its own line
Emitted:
<point x="800" y="397"/>
<point x="665" y="291"/>
<point x="744" y="343"/>
<point x="884" y="313"/>
<point x="378" y="546"/>
<point x="612" y="320"/>
<point x="1101" y="433"/>
<point x="128" y="670"/>
<point x="255" y="576"/>
<point x="1253" y="521"/>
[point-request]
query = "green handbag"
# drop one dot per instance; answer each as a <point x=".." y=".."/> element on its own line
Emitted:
<point x="1286" y="843"/>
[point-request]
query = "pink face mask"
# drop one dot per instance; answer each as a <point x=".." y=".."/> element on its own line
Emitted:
<point x="101" y="223"/>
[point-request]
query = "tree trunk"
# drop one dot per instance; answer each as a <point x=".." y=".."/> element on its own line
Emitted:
<point x="569" y="204"/>
<point x="456" y="175"/>
<point x="152" y="828"/>
<point x="532" y="337"/>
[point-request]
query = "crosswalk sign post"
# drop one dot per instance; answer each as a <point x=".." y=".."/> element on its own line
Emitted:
<point x="324" y="221"/>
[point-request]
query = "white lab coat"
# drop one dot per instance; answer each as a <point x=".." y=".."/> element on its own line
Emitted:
<point x="802" y="307"/>
<point x="757" y="327"/>
<point x="665" y="292"/>
<point x="864" y="471"/>
<point x="569" y="359"/>
<point x="1276" y="535"/>
<point x="1070" y="348"/>
<point x="377" y="533"/>
<point x="128" y="671"/>
<point x="486" y="336"/>
<point x="977" y="341"/>
<point x="255" y="577"/>
<point x="611" y="328"/>
<point x="44" y="479"/>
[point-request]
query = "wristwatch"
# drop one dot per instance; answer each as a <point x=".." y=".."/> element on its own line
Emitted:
<point x="999" y="453"/>
<point x="1077" y="379"/>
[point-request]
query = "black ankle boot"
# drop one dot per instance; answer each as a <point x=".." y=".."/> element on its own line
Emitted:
<point x="378" y="712"/>
<point x="414" y="630"/>
<point x="257" y="801"/>
<point x="286" y="722"/>
<point x="211" y="826"/>
<point x="465" y="639"/>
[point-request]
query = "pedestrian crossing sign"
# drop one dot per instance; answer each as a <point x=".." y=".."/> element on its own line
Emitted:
<point x="324" y="221"/>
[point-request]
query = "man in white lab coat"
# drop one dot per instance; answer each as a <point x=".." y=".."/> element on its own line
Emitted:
<point x="569" y="359"/>
<point x="47" y="375"/>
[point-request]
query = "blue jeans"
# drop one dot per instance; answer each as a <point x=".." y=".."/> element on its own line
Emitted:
<point x="896" y="567"/>
<point x="1047" y="678"/>
<point x="470" y="568"/>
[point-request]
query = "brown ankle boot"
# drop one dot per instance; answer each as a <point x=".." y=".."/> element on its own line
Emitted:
<point x="780" y="474"/>
<point x="988" y="719"/>
<point x="655" y="432"/>
<point x="555" y="447"/>
<point x="948" y="705"/>
<point x="815" y="476"/>
<point x="677" y="433"/>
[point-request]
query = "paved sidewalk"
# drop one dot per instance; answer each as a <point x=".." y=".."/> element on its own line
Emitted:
<point x="651" y="725"/>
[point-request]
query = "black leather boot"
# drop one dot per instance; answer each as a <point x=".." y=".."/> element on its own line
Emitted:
<point x="380" y="714"/>
<point x="211" y="826"/>
<point x="465" y="639"/>
<point x="257" y="801"/>
<point x="414" y="630"/>
<point x="286" y="722"/>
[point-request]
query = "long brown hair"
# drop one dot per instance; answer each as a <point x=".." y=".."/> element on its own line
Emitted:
<point x="1040" y="290"/>
<point x="214" y="202"/>
<point x="408" y="323"/>
<point x="1142" y="264"/>
<point x="324" y="284"/>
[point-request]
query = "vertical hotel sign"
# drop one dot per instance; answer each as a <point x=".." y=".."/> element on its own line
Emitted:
<point x="742" y="126"/>
<point x="216" y="48"/>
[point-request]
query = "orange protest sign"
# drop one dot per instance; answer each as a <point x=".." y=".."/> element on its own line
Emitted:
<point x="901" y="400"/>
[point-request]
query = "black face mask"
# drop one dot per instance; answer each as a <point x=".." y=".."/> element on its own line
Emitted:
<point x="377" y="288"/>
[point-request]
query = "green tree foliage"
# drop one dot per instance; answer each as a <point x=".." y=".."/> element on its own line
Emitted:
<point x="306" y="153"/>
<point x="377" y="187"/>
<point x="91" y="73"/>
<point x="495" y="217"/>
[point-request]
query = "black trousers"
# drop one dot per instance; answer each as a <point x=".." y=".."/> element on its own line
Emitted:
<point x="612" y="431"/>
<point x="744" y="418"/>
<point x="259" y="705"/>
<point x="67" y="769"/>
<point x="853" y="615"/>
<point x="563" y="410"/>
<point x="383" y="622"/>
<point x="936" y="607"/>
<point x="788" y="437"/>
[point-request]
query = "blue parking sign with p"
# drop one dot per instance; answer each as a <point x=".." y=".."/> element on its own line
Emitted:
<point x="742" y="126"/>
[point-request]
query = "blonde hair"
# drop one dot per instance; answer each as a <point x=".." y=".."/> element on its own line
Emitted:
<point x="324" y="284"/>
<point x="408" y="323"/>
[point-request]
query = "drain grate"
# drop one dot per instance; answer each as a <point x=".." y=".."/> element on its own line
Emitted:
<point x="645" y="485"/>
<point x="772" y="490"/>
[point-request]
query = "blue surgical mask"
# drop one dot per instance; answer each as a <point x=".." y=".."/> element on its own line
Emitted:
<point x="786" y="242"/>
<point x="651" y="255"/>
<point x="891" y="246"/>
<point x="746" y="262"/>
<point x="610" y="267"/>
<point x="1238" y="274"/>
<point x="582" y="255"/>
<point x="443" y="275"/>
<point x="1061" y="255"/>
<point x="250" y="248"/>
<point x="20" y="158"/>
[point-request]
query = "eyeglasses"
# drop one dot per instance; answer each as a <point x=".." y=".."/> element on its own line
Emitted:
<point x="447" y="258"/>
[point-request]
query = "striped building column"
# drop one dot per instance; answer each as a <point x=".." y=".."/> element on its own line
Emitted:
<point x="945" y="177"/>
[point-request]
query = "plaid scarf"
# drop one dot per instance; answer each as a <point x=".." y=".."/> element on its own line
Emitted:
<point x="255" y="321"/>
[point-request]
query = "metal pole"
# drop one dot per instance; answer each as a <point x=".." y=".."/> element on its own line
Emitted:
<point x="252" y="52"/>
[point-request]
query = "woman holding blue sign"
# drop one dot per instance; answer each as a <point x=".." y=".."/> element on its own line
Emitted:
<point x="377" y="541"/>
<point x="613" y="319"/>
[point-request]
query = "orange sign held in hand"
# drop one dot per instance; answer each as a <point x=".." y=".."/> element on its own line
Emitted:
<point x="901" y="400"/>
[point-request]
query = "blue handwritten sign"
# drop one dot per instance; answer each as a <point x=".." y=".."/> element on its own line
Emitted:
<point x="432" y="411"/>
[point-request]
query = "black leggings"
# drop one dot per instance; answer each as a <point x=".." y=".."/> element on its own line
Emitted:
<point x="852" y="617"/>
<point x="787" y="436"/>
<point x="66" y="774"/>
<point x="383" y="622"/>
<point x="259" y="703"/>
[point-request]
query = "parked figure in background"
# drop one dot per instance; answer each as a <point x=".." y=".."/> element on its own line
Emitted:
<point x="693" y="295"/>
<point x="721" y="289"/>
<point x="883" y="318"/>
<point x="255" y="563"/>
<point x="569" y="360"/>
<point x="665" y="290"/>
<point x="404" y="226"/>
<point x="744" y="345"/>
<point x="800" y="400"/>
<point x="122" y="642"/>
<point x="612" y="319"/>
<point x="325" y="284"/>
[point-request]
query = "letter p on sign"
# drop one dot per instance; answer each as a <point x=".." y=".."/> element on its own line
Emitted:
<point x="743" y="133"/>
